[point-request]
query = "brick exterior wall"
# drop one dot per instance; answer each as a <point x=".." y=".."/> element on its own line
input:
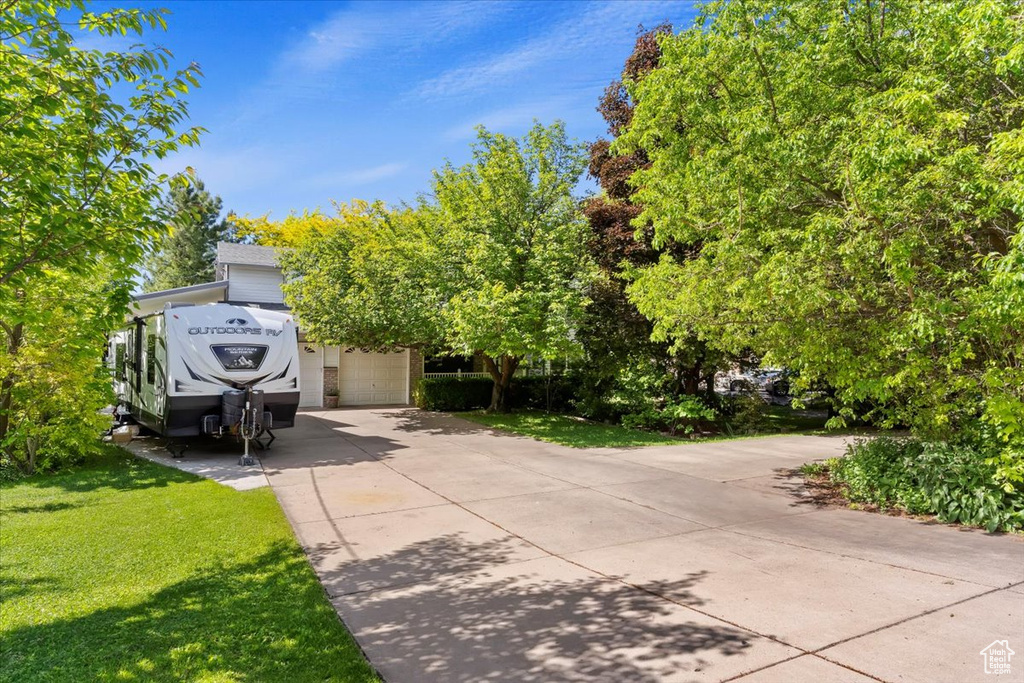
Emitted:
<point x="415" y="371"/>
<point x="330" y="381"/>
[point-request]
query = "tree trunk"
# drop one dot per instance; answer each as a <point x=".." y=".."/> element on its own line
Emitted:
<point x="501" y="370"/>
<point x="709" y="387"/>
<point x="14" y="338"/>
<point x="691" y="381"/>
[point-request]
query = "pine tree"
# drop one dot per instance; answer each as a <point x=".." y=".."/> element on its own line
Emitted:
<point x="185" y="256"/>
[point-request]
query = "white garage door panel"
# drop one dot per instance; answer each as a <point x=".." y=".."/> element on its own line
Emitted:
<point x="372" y="378"/>
<point x="311" y="376"/>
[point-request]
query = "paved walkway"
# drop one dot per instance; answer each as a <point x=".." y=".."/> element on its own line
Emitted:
<point x="454" y="553"/>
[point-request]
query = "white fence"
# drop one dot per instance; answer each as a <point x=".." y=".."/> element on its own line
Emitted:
<point x="520" y="372"/>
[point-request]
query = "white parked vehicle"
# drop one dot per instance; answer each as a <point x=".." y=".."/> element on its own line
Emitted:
<point x="773" y="381"/>
<point x="214" y="369"/>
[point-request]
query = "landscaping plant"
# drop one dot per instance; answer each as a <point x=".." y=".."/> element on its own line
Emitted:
<point x="81" y="128"/>
<point x="745" y="413"/>
<point x="683" y="414"/>
<point x="453" y="393"/>
<point x="840" y="187"/>
<point x="954" y="482"/>
<point x="495" y="263"/>
<point x="548" y="393"/>
<point x="847" y="180"/>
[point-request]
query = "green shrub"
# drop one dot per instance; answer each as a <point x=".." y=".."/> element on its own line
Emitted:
<point x="648" y="418"/>
<point x="814" y="469"/>
<point x="453" y="393"/>
<point x="687" y="413"/>
<point x="959" y="483"/>
<point x="746" y="413"/>
<point x="57" y="417"/>
<point x="1009" y="466"/>
<point x="553" y="393"/>
<point x="879" y="471"/>
<point x="684" y="413"/>
<point x="605" y="398"/>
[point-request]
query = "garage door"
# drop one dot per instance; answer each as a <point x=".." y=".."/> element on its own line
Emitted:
<point x="311" y="376"/>
<point x="366" y="378"/>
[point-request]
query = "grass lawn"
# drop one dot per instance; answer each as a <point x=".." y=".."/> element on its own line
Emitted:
<point x="785" y="419"/>
<point x="568" y="431"/>
<point x="126" y="570"/>
<point x="578" y="433"/>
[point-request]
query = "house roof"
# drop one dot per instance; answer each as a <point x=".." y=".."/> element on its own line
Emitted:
<point x="246" y="254"/>
<point x="181" y="291"/>
<point x="151" y="302"/>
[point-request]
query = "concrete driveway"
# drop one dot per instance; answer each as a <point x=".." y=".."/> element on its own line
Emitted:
<point x="454" y="553"/>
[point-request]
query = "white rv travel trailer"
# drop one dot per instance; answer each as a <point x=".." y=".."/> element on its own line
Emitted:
<point x="189" y="370"/>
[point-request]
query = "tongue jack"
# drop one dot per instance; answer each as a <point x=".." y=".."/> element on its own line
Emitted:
<point x="249" y="427"/>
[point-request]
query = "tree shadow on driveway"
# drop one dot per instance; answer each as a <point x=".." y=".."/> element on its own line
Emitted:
<point x="435" y="424"/>
<point x="460" y="611"/>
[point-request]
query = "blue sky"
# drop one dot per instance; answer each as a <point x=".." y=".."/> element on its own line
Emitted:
<point x="306" y="102"/>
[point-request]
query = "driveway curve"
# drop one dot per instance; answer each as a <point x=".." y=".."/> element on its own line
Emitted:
<point x="456" y="553"/>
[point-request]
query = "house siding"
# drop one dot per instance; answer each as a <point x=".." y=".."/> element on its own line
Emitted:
<point x="255" y="284"/>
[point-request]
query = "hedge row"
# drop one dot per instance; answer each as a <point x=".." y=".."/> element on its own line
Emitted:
<point x="472" y="393"/>
<point x="453" y="393"/>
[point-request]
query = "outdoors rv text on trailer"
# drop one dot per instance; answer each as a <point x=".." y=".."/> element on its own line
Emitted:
<point x="214" y="369"/>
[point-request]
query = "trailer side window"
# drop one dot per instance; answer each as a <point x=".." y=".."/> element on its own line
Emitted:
<point x="119" y="369"/>
<point x="150" y="359"/>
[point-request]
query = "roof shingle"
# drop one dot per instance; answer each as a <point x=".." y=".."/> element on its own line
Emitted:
<point x="246" y="254"/>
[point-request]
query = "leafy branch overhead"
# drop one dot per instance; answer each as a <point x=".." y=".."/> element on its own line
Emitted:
<point x="80" y="131"/>
<point x="75" y="158"/>
<point x="847" y="181"/>
<point x="495" y="264"/>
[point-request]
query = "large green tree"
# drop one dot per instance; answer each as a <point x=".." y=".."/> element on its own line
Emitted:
<point x="621" y="357"/>
<point x="517" y="240"/>
<point x="194" y="226"/>
<point x="367" y="276"/>
<point x="494" y="263"/>
<point x="849" y="179"/>
<point x="80" y="128"/>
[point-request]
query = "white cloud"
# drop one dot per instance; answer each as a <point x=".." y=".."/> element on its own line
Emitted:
<point x="93" y="40"/>
<point x="329" y="44"/>
<point x="564" y="40"/>
<point x="234" y="171"/>
<point x="515" y="117"/>
<point x="365" y="27"/>
<point x="360" y="176"/>
<point x="465" y="79"/>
